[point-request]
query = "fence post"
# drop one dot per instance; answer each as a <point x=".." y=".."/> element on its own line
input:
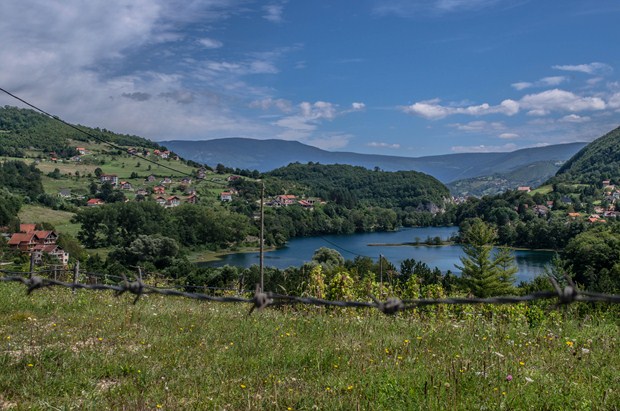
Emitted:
<point x="31" y="264"/>
<point x="76" y="272"/>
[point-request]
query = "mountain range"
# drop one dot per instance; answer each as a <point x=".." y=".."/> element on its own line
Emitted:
<point x="266" y="155"/>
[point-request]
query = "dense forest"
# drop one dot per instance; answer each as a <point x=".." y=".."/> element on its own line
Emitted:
<point x="599" y="160"/>
<point x="352" y="186"/>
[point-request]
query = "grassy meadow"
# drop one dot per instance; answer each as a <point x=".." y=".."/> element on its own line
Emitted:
<point x="92" y="350"/>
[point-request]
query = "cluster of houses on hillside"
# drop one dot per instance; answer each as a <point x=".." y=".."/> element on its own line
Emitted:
<point x="37" y="243"/>
<point x="158" y="191"/>
<point x="283" y="200"/>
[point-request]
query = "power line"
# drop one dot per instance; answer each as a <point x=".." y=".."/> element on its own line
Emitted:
<point x="343" y="249"/>
<point x="91" y="135"/>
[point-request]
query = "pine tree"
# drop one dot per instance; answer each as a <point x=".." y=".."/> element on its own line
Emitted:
<point x="484" y="272"/>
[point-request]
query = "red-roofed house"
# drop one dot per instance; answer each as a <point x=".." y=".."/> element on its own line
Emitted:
<point x="286" y="199"/>
<point x="159" y="190"/>
<point x="173" y="201"/>
<point x="94" y="202"/>
<point x="23" y="241"/>
<point x="192" y="199"/>
<point x="46" y="237"/>
<point x="226" y="196"/>
<point x="524" y="189"/>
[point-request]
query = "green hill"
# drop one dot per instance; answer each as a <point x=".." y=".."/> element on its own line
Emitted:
<point x="599" y="160"/>
<point x="24" y="129"/>
<point x="354" y="184"/>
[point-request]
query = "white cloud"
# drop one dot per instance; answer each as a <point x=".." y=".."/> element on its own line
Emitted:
<point x="265" y="104"/>
<point x="330" y="141"/>
<point x="522" y="85"/>
<point x="210" y="43"/>
<point x="412" y="8"/>
<point x="66" y="56"/>
<point x="484" y="148"/>
<point x="358" y="106"/>
<point x="543" y="82"/>
<point x="383" y="145"/>
<point x="552" y="81"/>
<point x="303" y="124"/>
<point x="318" y="110"/>
<point x="242" y="68"/>
<point x="559" y="100"/>
<point x="479" y="126"/>
<point x="614" y="101"/>
<point x="574" y="118"/>
<point x="273" y="12"/>
<point x="591" y="68"/>
<point x="431" y="109"/>
<point x="508" y="135"/>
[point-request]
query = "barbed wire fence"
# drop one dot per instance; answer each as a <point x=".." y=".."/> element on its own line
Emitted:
<point x="259" y="300"/>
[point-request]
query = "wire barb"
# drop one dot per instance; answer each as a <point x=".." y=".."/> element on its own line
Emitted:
<point x="260" y="300"/>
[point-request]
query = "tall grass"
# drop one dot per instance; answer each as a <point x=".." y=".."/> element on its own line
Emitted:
<point x="94" y="351"/>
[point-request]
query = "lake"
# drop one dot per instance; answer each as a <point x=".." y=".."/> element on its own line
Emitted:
<point x="300" y="250"/>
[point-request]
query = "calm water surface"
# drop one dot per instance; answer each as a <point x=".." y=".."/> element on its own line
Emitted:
<point x="300" y="250"/>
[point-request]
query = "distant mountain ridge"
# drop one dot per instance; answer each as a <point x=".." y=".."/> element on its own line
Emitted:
<point x="267" y="155"/>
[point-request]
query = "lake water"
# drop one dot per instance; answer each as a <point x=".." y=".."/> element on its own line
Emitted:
<point x="300" y="250"/>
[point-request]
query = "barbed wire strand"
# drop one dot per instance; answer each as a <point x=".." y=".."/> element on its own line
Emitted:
<point x="260" y="300"/>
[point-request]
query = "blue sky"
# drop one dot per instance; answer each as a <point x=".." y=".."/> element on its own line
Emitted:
<point x="410" y="78"/>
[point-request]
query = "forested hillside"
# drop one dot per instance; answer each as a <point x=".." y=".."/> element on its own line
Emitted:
<point x="599" y="160"/>
<point x="23" y="129"/>
<point x="351" y="185"/>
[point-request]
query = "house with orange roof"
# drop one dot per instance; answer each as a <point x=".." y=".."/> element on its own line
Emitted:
<point x="93" y="202"/>
<point x="23" y="241"/>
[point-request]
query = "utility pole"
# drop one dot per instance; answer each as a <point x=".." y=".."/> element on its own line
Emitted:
<point x="262" y="236"/>
<point x="381" y="273"/>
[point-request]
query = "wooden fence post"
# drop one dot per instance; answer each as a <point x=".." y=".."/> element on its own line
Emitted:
<point x="76" y="273"/>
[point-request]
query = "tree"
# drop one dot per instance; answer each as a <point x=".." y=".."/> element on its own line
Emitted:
<point x="328" y="257"/>
<point x="483" y="273"/>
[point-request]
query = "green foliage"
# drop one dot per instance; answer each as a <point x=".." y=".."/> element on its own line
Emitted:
<point x="328" y="257"/>
<point x="25" y="128"/>
<point x="351" y="185"/>
<point x="9" y="207"/>
<point x="119" y="224"/>
<point x="316" y="287"/>
<point x="72" y="246"/>
<point x="483" y="274"/>
<point x="599" y="160"/>
<point x="155" y="249"/>
<point x="20" y="178"/>
<point x="341" y="287"/>
<point x="594" y="258"/>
